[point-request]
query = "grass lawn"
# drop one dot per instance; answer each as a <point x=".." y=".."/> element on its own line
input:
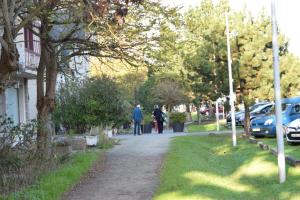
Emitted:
<point x="208" y="167"/>
<point x="211" y="126"/>
<point x="52" y="186"/>
<point x="204" y="127"/>
<point x="292" y="150"/>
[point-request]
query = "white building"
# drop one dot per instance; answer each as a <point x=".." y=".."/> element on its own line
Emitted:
<point x="19" y="100"/>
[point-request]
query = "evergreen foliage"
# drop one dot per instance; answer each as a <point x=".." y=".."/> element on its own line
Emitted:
<point x="205" y="57"/>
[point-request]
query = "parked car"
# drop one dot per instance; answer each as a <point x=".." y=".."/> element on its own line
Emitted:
<point x="253" y="107"/>
<point x="292" y="131"/>
<point x="204" y="110"/>
<point x="266" y="126"/>
<point x="240" y="115"/>
<point x="258" y="111"/>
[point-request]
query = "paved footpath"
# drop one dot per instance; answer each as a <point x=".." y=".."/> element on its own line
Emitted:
<point x="130" y="171"/>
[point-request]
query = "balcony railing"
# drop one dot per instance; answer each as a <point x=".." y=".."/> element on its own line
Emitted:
<point x="35" y="47"/>
<point x="32" y="56"/>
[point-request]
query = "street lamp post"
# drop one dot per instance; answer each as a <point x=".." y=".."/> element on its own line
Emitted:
<point x="232" y="110"/>
<point x="278" y="109"/>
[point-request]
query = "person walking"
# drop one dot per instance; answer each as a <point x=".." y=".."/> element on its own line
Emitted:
<point x="158" y="114"/>
<point x="155" y="126"/>
<point x="137" y="117"/>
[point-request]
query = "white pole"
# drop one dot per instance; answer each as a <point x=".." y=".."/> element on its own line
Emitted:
<point x="230" y="85"/>
<point x="223" y="111"/>
<point x="217" y="115"/>
<point x="278" y="109"/>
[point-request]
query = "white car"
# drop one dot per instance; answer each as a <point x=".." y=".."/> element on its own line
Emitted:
<point x="293" y="132"/>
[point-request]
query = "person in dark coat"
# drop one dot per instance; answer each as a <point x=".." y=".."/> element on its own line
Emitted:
<point x="158" y="114"/>
<point x="137" y="117"/>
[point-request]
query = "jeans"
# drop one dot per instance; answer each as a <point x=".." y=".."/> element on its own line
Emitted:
<point x="137" y="127"/>
<point x="160" y="126"/>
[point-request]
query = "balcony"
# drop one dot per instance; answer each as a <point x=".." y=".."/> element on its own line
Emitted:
<point x="32" y="58"/>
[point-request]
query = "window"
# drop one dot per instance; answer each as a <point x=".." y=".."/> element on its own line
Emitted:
<point x="297" y="108"/>
<point x="284" y="107"/>
<point x="28" y="37"/>
<point x="267" y="109"/>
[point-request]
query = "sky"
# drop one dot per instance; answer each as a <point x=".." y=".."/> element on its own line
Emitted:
<point x="288" y="15"/>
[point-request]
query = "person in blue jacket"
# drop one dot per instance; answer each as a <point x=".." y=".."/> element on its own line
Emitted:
<point x="137" y="117"/>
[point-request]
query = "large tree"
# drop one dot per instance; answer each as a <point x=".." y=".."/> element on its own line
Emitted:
<point x="251" y="42"/>
<point x="90" y="28"/>
<point x="73" y="28"/>
<point x="204" y="52"/>
<point x="165" y="88"/>
<point x="252" y="58"/>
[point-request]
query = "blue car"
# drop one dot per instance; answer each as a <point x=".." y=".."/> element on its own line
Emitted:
<point x="259" y="111"/>
<point x="240" y="115"/>
<point x="266" y="125"/>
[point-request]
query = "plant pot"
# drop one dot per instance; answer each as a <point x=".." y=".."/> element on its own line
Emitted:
<point x="126" y="125"/>
<point x="178" y="127"/>
<point x="91" y="140"/>
<point x="108" y="133"/>
<point x="147" y="128"/>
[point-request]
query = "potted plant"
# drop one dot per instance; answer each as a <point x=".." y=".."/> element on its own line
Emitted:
<point x="177" y="120"/>
<point x="92" y="137"/>
<point x="147" y="125"/>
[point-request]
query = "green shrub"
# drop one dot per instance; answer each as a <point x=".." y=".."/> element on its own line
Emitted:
<point x="177" y="117"/>
<point x="148" y="119"/>
<point x="16" y="142"/>
<point x="96" y="101"/>
<point x="19" y="165"/>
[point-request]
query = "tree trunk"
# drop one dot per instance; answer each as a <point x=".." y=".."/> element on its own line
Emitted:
<point x="211" y="110"/>
<point x="188" y="113"/>
<point x="44" y="132"/>
<point x="46" y="84"/>
<point x="168" y="116"/>
<point x="198" y="114"/>
<point x="247" y="118"/>
<point x="9" y="60"/>
<point x="246" y="100"/>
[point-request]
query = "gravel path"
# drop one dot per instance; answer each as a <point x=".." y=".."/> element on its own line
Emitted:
<point x="130" y="171"/>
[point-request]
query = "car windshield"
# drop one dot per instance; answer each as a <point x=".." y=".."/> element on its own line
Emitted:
<point x="257" y="109"/>
<point x="255" y="106"/>
<point x="284" y="106"/>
